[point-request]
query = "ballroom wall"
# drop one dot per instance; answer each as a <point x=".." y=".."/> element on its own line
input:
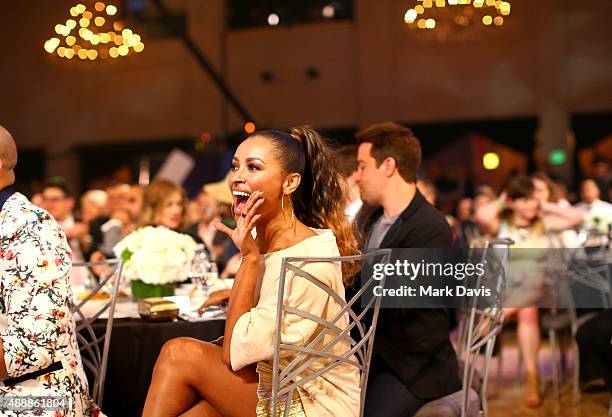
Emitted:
<point x="551" y="59"/>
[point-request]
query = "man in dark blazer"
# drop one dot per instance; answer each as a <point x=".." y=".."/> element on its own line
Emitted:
<point x="414" y="361"/>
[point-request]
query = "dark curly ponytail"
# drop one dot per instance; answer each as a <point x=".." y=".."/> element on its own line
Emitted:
<point x="318" y="201"/>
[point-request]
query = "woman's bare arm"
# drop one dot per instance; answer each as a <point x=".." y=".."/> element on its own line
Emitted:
<point x="241" y="300"/>
<point x="487" y="217"/>
<point x="242" y="296"/>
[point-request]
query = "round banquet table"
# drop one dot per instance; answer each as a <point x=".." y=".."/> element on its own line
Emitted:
<point x="135" y="345"/>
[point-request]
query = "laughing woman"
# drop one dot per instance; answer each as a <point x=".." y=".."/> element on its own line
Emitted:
<point x="285" y="186"/>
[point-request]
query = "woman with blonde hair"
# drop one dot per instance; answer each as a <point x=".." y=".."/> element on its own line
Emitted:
<point x="164" y="203"/>
<point x="285" y="186"/>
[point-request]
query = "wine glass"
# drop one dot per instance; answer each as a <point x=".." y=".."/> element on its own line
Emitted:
<point x="212" y="275"/>
<point x="198" y="268"/>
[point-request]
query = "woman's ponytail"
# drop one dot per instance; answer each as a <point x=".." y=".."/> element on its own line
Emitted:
<point x="318" y="201"/>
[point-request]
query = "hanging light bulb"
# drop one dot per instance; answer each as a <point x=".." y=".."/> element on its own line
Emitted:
<point x="51" y="45"/>
<point x="93" y="45"/>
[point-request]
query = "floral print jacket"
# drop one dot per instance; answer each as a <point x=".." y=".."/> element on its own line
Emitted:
<point x="38" y="328"/>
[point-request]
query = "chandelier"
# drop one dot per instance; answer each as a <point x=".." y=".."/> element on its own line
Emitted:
<point x="92" y="34"/>
<point x="456" y="17"/>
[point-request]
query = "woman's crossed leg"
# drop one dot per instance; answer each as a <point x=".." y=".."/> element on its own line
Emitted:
<point x="190" y="379"/>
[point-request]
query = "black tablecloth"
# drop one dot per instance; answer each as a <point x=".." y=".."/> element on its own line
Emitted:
<point x="135" y="345"/>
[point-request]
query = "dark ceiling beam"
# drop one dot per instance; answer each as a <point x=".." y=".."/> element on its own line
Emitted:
<point x="200" y="57"/>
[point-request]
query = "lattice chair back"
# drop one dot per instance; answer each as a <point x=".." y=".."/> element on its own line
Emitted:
<point x="591" y="265"/>
<point x="285" y="382"/>
<point x="478" y="252"/>
<point x="94" y="358"/>
<point x="484" y="318"/>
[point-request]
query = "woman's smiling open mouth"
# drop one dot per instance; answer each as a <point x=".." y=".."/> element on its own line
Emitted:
<point x="240" y="199"/>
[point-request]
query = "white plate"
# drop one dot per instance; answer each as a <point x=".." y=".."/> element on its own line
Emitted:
<point x="123" y="310"/>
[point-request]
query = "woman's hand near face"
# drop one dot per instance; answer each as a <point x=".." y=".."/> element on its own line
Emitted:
<point x="241" y="235"/>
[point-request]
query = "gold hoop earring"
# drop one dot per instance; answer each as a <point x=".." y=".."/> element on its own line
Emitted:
<point x="292" y="215"/>
<point x="292" y="224"/>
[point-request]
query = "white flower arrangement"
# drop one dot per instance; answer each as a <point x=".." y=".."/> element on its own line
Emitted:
<point x="155" y="255"/>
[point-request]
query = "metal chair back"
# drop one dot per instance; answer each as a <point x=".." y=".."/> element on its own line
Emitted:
<point x="478" y="252"/>
<point x="591" y="265"/>
<point x="94" y="358"/>
<point x="359" y="354"/>
<point x="484" y="319"/>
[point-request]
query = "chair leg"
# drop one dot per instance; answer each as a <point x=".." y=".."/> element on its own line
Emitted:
<point x="500" y="371"/>
<point x="485" y="378"/>
<point x="576" y="375"/>
<point x="500" y="366"/>
<point x="562" y="356"/>
<point x="552" y="335"/>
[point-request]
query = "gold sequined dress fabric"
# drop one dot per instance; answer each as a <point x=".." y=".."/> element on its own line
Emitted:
<point x="264" y="393"/>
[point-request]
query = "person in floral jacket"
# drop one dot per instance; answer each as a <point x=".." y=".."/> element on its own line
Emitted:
<point x="41" y="368"/>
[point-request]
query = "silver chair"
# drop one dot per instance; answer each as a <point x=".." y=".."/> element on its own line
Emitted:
<point x="286" y="381"/>
<point x="589" y="266"/>
<point x="563" y="316"/>
<point x="477" y="254"/>
<point x="480" y="321"/>
<point x="485" y="318"/>
<point x="94" y="359"/>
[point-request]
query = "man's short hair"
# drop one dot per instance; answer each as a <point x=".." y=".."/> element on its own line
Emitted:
<point x="347" y="160"/>
<point x="389" y="139"/>
<point x="57" y="183"/>
<point x="589" y="179"/>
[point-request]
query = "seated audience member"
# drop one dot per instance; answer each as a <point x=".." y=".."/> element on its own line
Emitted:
<point x="413" y="361"/>
<point x="40" y="356"/>
<point x="164" y="203"/>
<point x="133" y="207"/>
<point x="595" y="345"/>
<point x="430" y="192"/>
<point x="59" y="202"/>
<point x="428" y="189"/>
<point x="466" y="229"/>
<point x="194" y="212"/>
<point x="483" y="196"/>
<point x="602" y="175"/>
<point x="597" y="213"/>
<point x="274" y="177"/>
<point x="93" y="207"/>
<point x="117" y="193"/>
<point x="347" y="165"/>
<point x="37" y="199"/>
<point x="122" y="219"/>
<point x="123" y="222"/>
<point x="556" y="213"/>
<point x="517" y="215"/>
<point x="219" y="246"/>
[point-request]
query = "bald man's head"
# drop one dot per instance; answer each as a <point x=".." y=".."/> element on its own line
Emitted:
<point x="8" y="150"/>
